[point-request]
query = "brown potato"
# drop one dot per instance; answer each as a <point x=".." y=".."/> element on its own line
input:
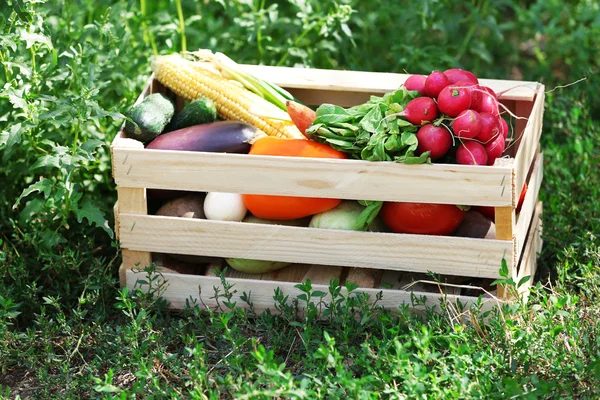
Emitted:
<point x="188" y="206"/>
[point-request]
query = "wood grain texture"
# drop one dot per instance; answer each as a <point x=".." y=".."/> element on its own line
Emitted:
<point x="529" y="141"/>
<point x="419" y="253"/>
<point x="528" y="264"/>
<point x="132" y="200"/>
<point x="376" y="83"/>
<point x="528" y="209"/>
<point x="179" y="288"/>
<point x="328" y="178"/>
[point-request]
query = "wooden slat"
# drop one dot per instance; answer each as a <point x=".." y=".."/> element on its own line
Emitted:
<point x="132" y="200"/>
<point x="181" y="287"/>
<point x="297" y="176"/>
<point x="420" y="253"/>
<point x="529" y="141"/>
<point x="528" y="264"/>
<point x="529" y="204"/>
<point x="375" y="83"/>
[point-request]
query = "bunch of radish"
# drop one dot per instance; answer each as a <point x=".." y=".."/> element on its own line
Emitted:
<point x="455" y="109"/>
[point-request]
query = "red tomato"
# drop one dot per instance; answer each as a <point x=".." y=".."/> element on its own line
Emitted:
<point x="422" y="218"/>
<point x="289" y="207"/>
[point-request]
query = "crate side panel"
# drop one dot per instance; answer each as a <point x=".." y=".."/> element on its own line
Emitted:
<point x="180" y="288"/>
<point x="418" y="253"/>
<point x="528" y="209"/>
<point x="528" y="264"/>
<point x="529" y="141"/>
<point x="313" y="177"/>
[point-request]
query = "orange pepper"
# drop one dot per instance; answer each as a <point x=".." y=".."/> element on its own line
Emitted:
<point x="288" y="207"/>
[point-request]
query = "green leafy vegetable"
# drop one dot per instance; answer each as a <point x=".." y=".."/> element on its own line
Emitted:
<point x="371" y="131"/>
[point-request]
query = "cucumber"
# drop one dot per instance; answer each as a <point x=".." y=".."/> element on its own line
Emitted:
<point x="150" y="117"/>
<point x="199" y="111"/>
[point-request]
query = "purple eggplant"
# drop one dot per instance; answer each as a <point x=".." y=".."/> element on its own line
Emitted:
<point x="216" y="137"/>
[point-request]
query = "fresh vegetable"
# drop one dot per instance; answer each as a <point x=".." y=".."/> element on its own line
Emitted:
<point x="224" y="206"/>
<point x="231" y="70"/>
<point x="187" y="206"/>
<point x="420" y="111"/>
<point x="192" y="80"/>
<point x="149" y="117"/>
<point x="467" y="124"/>
<point x="437" y="140"/>
<point x="494" y="149"/>
<point x="345" y="216"/>
<point x="421" y="218"/>
<point x="475" y="225"/>
<point x="434" y="83"/>
<point x="456" y="75"/>
<point x="503" y="127"/>
<point x="199" y="111"/>
<point x="487" y="103"/>
<point x="490" y="128"/>
<point x="371" y="131"/>
<point x="260" y="266"/>
<point x="470" y="152"/>
<point x="301" y="115"/>
<point x="288" y="207"/>
<point x="454" y="100"/>
<point x="416" y="82"/>
<point x="221" y="137"/>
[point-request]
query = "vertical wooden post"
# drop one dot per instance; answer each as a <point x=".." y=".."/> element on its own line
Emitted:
<point x="132" y="201"/>
<point x="505" y="227"/>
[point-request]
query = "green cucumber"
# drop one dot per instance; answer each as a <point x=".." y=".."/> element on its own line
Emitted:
<point x="199" y="111"/>
<point x="149" y="117"/>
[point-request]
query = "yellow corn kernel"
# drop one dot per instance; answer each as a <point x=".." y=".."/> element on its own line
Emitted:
<point x="233" y="102"/>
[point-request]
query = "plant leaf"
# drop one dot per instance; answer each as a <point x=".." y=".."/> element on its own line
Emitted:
<point x="87" y="210"/>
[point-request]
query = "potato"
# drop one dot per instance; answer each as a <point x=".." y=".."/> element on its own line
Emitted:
<point x="188" y="206"/>
<point x="476" y="225"/>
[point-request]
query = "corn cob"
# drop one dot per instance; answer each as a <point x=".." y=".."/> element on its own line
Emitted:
<point x="191" y="81"/>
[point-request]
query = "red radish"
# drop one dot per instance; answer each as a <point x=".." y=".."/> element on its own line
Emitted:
<point x="503" y="127"/>
<point x="453" y="101"/>
<point x="416" y="82"/>
<point x="435" y="139"/>
<point x="434" y="84"/>
<point x="489" y="90"/>
<point x="419" y="110"/>
<point x="456" y="75"/>
<point x="467" y="125"/>
<point x="471" y="88"/>
<point x="471" y="153"/>
<point x="487" y="103"/>
<point x="494" y="149"/>
<point x="490" y="128"/>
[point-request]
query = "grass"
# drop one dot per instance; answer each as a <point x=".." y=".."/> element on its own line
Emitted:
<point x="67" y="331"/>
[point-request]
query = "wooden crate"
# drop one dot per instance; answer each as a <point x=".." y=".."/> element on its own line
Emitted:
<point x="376" y="261"/>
